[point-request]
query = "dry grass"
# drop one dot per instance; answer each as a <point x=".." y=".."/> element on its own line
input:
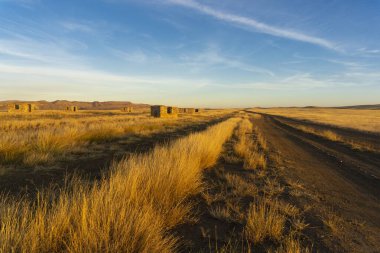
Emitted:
<point x="264" y="221"/>
<point x="332" y="222"/>
<point x="272" y="188"/>
<point x="232" y="246"/>
<point x="292" y="245"/>
<point x="260" y="139"/>
<point x="332" y="136"/>
<point x="222" y="213"/>
<point x="248" y="149"/>
<point x="255" y="161"/>
<point x="365" y="120"/>
<point x="130" y="210"/>
<point x="39" y="138"/>
<point x="253" y="202"/>
<point x="241" y="187"/>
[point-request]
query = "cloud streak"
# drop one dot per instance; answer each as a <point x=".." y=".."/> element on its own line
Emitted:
<point x="95" y="76"/>
<point x="252" y="23"/>
<point x="77" y="26"/>
<point x="212" y="57"/>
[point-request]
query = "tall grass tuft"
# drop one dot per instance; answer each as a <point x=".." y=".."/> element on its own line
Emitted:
<point x="245" y="147"/>
<point x="264" y="221"/>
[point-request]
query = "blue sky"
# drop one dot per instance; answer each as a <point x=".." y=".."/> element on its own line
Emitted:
<point x="223" y="53"/>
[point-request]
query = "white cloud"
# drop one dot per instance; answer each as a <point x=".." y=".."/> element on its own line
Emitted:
<point x="258" y="26"/>
<point x="369" y="51"/>
<point x="95" y="76"/>
<point x="77" y="26"/>
<point x="28" y="49"/>
<point x="137" y="56"/>
<point x="212" y="57"/>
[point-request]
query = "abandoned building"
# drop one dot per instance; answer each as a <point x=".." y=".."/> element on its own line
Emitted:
<point x="161" y="111"/>
<point x="72" y="108"/>
<point x="172" y="110"/>
<point x="21" y="107"/>
<point x="127" y="109"/>
<point x="188" y="110"/>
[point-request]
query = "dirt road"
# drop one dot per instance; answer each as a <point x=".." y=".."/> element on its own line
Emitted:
<point x="337" y="179"/>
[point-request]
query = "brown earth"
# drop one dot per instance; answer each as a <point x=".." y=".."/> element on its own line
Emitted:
<point x="342" y="180"/>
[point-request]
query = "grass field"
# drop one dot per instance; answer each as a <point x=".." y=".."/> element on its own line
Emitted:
<point x="243" y="182"/>
<point x="131" y="210"/>
<point x="364" y="120"/>
<point x="42" y="137"/>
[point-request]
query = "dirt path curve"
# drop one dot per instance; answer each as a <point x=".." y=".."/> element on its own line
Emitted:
<point x="343" y="181"/>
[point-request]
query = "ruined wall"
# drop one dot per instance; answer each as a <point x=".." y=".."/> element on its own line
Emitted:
<point x="161" y="111"/>
<point x="127" y="109"/>
<point x="21" y="107"/>
<point x="72" y="108"/>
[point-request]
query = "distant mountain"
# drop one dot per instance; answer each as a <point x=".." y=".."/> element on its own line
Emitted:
<point x="359" y="107"/>
<point x="363" y="107"/>
<point x="62" y="104"/>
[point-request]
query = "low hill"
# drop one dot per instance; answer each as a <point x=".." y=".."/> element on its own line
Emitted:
<point x="364" y="107"/>
<point x="62" y="104"/>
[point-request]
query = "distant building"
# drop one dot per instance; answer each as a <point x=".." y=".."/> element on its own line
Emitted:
<point x="127" y="109"/>
<point x="161" y="111"/>
<point x="187" y="110"/>
<point x="21" y="107"/>
<point x="72" y="108"/>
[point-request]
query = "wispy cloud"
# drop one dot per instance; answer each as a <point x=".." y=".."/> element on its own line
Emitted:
<point x="77" y="26"/>
<point x="258" y="26"/>
<point x="296" y="82"/>
<point x="369" y="51"/>
<point x="134" y="56"/>
<point x="96" y="76"/>
<point x="23" y="3"/>
<point x="211" y="57"/>
<point x="33" y="50"/>
<point x="349" y="64"/>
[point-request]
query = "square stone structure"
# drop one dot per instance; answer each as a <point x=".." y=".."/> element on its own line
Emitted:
<point x="172" y="110"/>
<point x="161" y="111"/>
<point x="72" y="108"/>
<point x="21" y="107"/>
<point x="187" y="110"/>
<point x="127" y="109"/>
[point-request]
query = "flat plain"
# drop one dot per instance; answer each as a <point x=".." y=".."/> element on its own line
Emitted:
<point x="253" y="180"/>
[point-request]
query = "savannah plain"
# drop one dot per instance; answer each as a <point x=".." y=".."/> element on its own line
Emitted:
<point x="236" y="180"/>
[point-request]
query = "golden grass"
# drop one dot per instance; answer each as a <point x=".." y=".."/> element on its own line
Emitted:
<point x="42" y="137"/>
<point x="332" y="136"/>
<point x="131" y="210"/>
<point x="365" y="120"/>
<point x="264" y="221"/>
<point x="332" y="222"/>
<point x="292" y="245"/>
<point x="247" y="148"/>
<point x="268" y="222"/>
<point x="222" y="213"/>
<point x="241" y="187"/>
